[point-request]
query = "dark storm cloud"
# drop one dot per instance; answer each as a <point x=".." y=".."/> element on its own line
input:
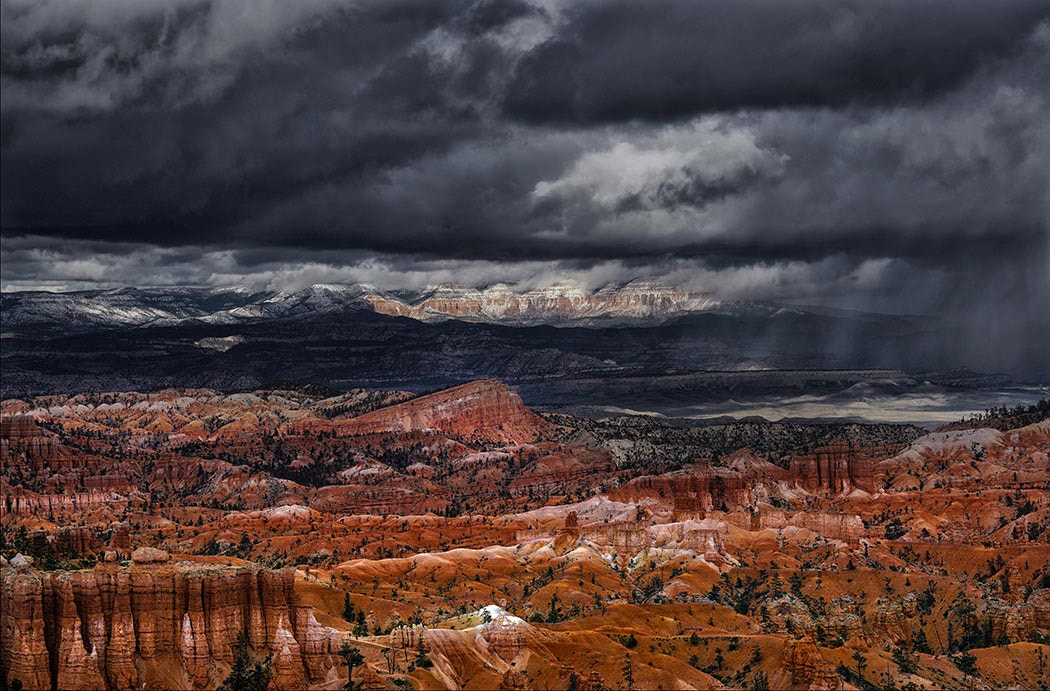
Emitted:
<point x="894" y="151"/>
<point x="180" y="132"/>
<point x="622" y="60"/>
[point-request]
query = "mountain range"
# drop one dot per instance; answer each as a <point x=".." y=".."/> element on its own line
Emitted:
<point x="634" y="302"/>
<point x="638" y="346"/>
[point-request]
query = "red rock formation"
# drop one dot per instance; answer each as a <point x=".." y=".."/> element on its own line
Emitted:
<point x="482" y="410"/>
<point x="367" y="499"/>
<point x="1018" y="621"/>
<point x="120" y="538"/>
<point x="593" y="682"/>
<point x="17" y="501"/>
<point x="370" y="681"/>
<point x="21" y="438"/>
<point x="837" y="468"/>
<point x="559" y="471"/>
<point x="23" y="655"/>
<point x="702" y="490"/>
<point x="504" y="636"/>
<point x="513" y="680"/>
<point x="894" y="616"/>
<point x="807" y="668"/>
<point x="155" y="623"/>
<point x="838" y="526"/>
<point x="77" y="540"/>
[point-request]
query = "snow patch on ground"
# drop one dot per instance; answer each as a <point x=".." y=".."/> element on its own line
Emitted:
<point x="497" y="612"/>
<point x="964" y="438"/>
<point x="220" y="344"/>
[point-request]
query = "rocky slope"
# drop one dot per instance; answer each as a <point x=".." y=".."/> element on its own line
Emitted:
<point x="480" y="411"/>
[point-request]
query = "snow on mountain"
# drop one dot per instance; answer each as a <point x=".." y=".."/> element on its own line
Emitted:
<point x="121" y="307"/>
<point x="639" y="300"/>
<point x="323" y="298"/>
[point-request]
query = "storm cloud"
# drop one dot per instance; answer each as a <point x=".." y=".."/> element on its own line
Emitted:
<point x="876" y="154"/>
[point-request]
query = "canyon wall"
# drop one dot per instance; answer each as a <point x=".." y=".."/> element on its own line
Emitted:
<point x="838" y="468"/>
<point x="156" y="624"/>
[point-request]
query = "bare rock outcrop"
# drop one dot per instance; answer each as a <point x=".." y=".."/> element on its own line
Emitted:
<point x="20" y="502"/>
<point x="22" y="439"/>
<point x="156" y="624"/>
<point x="807" y="668"/>
<point x="699" y="490"/>
<point x="836" y="469"/>
<point x="149" y="555"/>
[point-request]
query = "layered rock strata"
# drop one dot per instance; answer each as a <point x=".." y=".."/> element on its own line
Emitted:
<point x="156" y="624"/>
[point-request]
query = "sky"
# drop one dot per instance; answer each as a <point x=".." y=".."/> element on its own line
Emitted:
<point x="886" y="155"/>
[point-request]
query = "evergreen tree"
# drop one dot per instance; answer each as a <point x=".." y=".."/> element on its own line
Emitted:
<point x="919" y="643"/>
<point x="904" y="661"/>
<point x="352" y="657"/>
<point x="248" y="674"/>
<point x="967" y="663"/>
<point x="628" y="672"/>
<point x="862" y="664"/>
<point x="422" y="661"/>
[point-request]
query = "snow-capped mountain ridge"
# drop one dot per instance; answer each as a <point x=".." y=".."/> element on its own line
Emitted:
<point x="637" y="301"/>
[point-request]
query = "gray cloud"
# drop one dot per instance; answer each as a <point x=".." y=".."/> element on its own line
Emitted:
<point x="880" y="154"/>
<point x="617" y="61"/>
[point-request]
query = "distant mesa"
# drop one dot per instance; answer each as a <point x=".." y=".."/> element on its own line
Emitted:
<point x="485" y="410"/>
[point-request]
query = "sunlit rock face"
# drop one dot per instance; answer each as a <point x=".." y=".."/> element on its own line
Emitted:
<point x="554" y="304"/>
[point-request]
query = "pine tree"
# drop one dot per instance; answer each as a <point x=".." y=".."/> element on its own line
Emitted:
<point x="353" y="658"/>
<point x="248" y="674"/>
<point x="919" y="643"/>
<point x="628" y="672"/>
<point x="904" y="661"/>
<point x="422" y="661"/>
<point x="966" y="662"/>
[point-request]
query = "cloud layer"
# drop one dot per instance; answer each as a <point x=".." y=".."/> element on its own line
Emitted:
<point x="881" y="154"/>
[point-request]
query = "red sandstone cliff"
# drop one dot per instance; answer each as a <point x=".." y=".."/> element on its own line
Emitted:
<point x="155" y="625"/>
<point x="838" y="468"/>
<point x="703" y="487"/>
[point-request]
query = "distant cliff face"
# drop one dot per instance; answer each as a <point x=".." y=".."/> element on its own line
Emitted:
<point x="553" y="304"/>
<point x="155" y="625"/>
